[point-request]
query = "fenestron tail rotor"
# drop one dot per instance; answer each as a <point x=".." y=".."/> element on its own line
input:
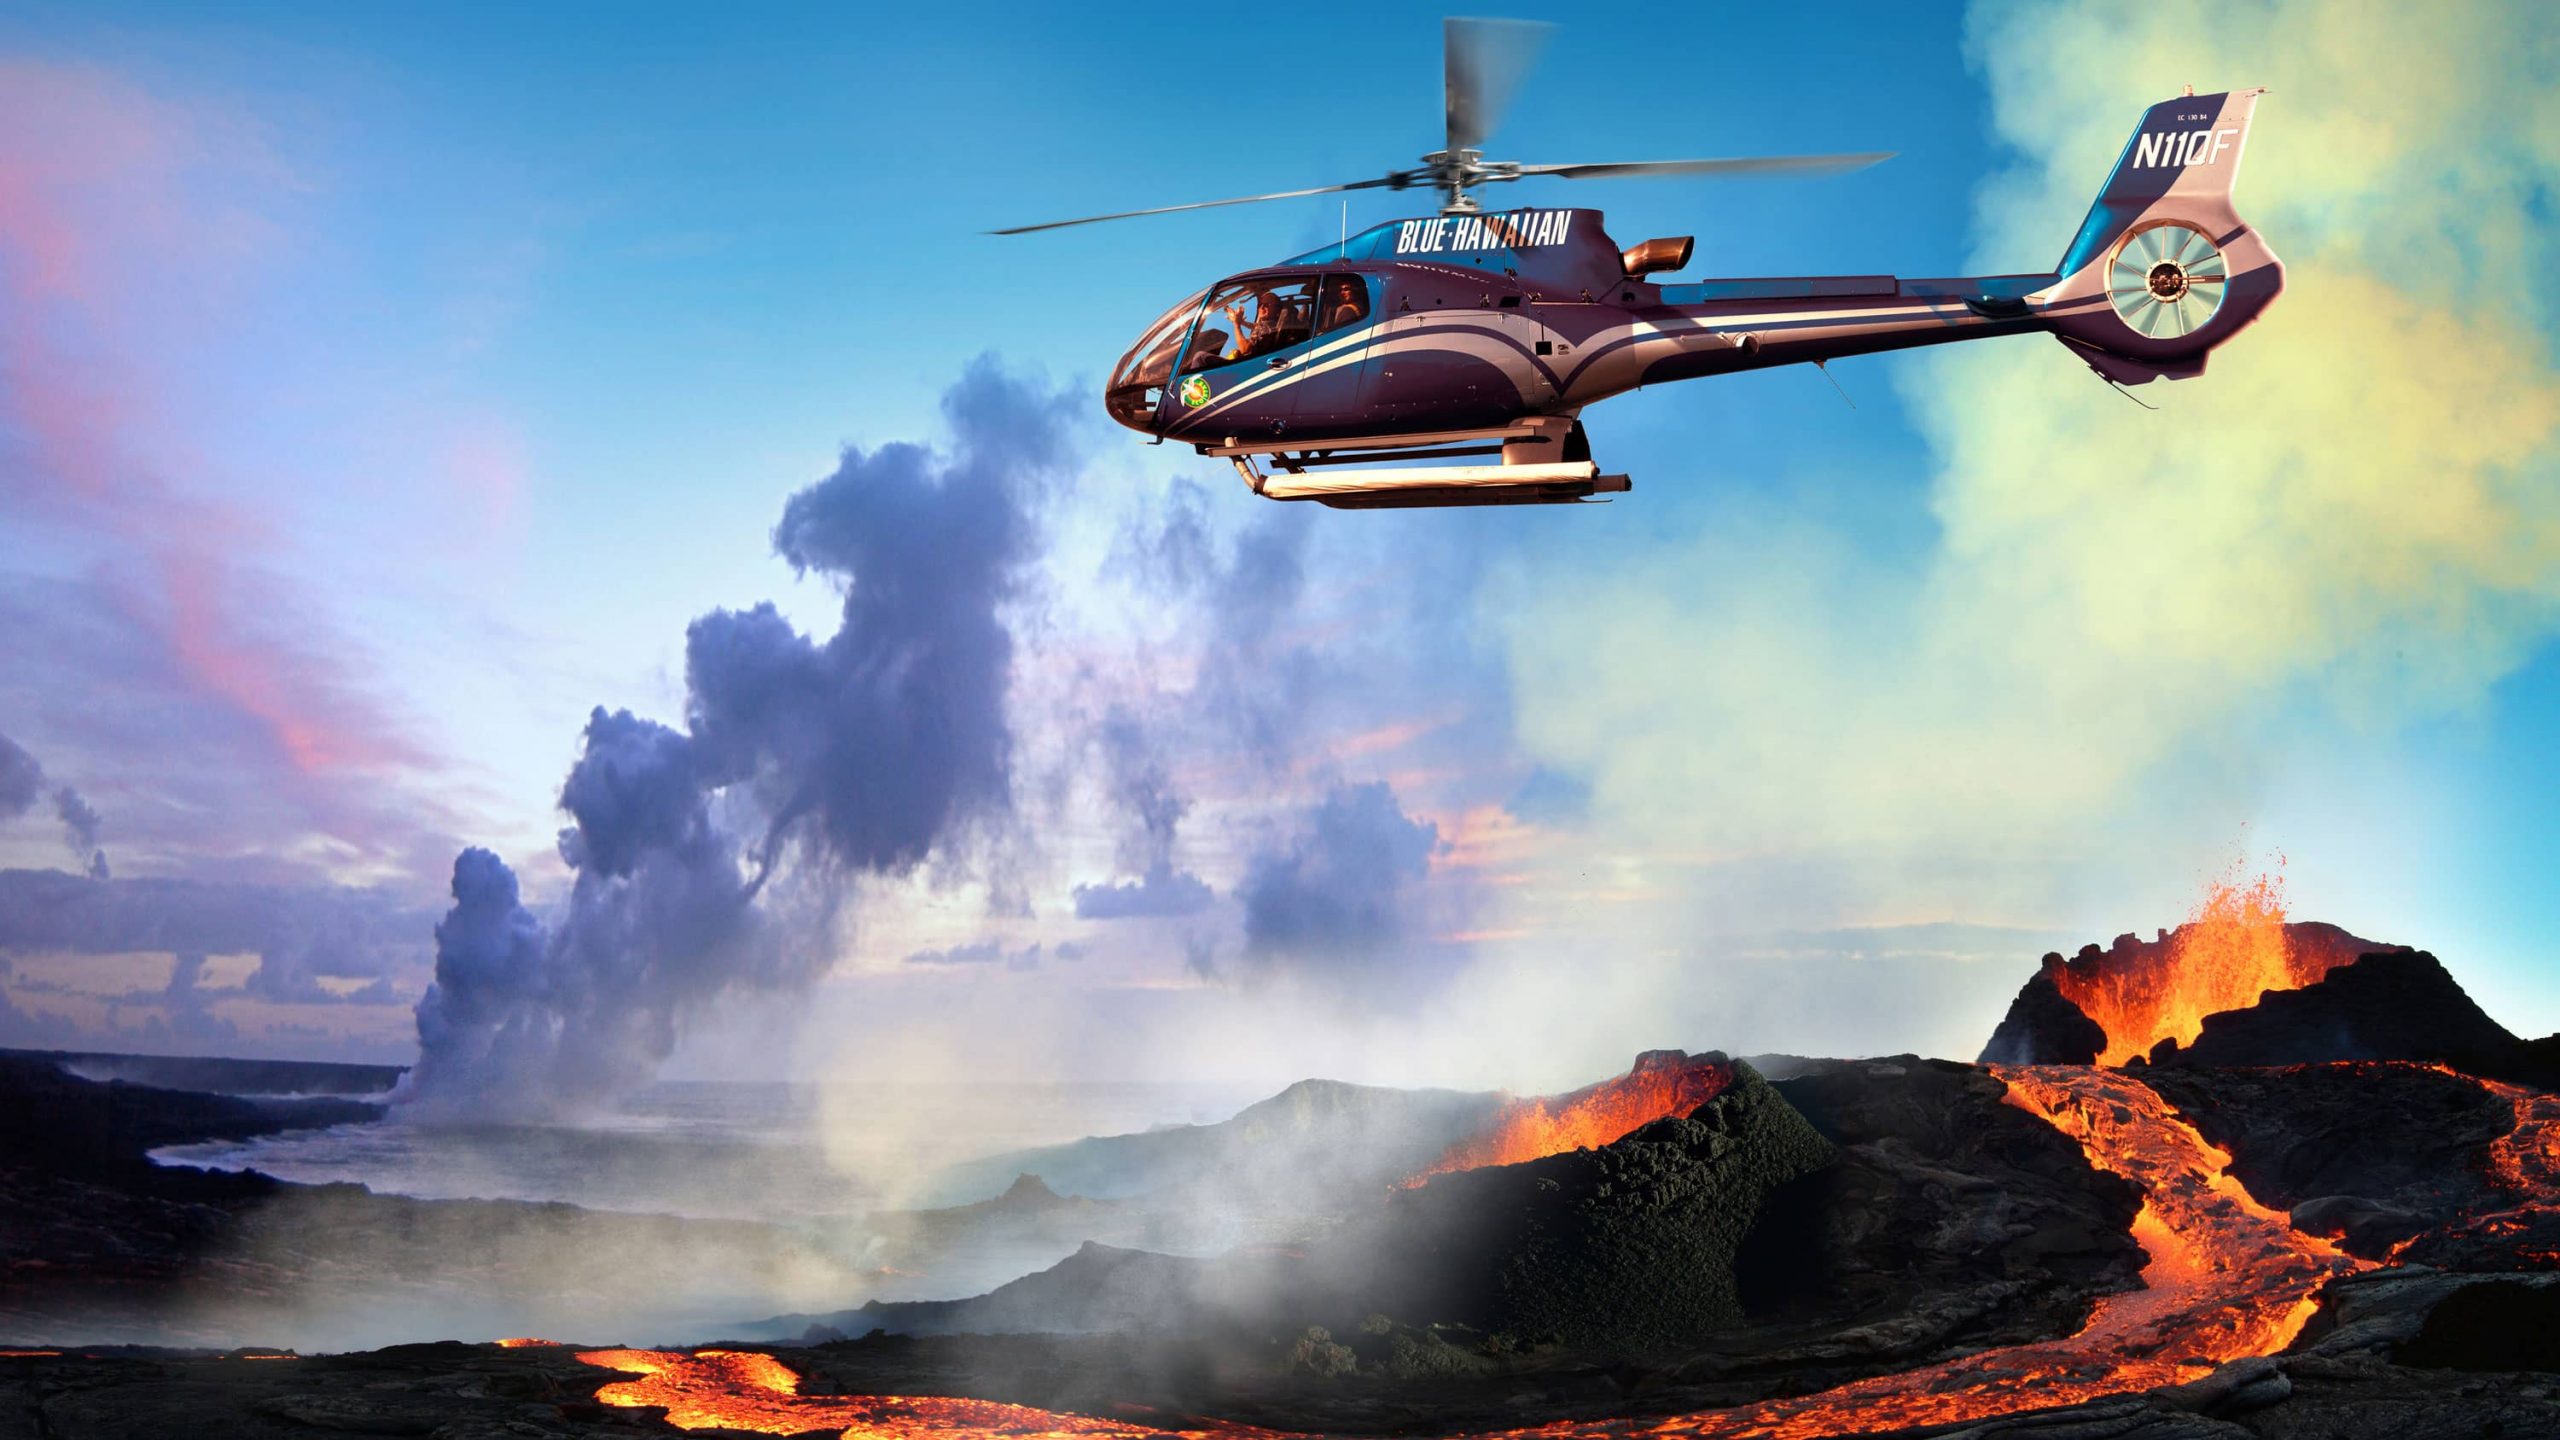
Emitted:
<point x="2167" y="280"/>
<point x="1483" y="63"/>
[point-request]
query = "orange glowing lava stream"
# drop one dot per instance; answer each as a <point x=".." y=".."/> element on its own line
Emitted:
<point x="1587" y="1119"/>
<point x="2227" y="1278"/>
<point x="523" y="1342"/>
<point x="2231" y="951"/>
<point x="2526" y="1160"/>
<point x="747" y="1390"/>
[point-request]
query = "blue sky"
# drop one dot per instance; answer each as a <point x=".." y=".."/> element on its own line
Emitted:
<point x="452" y="359"/>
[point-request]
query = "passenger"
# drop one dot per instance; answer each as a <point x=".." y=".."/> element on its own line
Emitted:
<point x="1345" y="304"/>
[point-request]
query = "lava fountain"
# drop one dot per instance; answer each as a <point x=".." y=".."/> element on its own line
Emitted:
<point x="2232" y="950"/>
<point x="1661" y="1084"/>
<point x="2227" y="1278"/>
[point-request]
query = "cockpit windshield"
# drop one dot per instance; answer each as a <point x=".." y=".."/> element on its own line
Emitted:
<point x="1150" y="361"/>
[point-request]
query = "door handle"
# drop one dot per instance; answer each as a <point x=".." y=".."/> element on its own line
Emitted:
<point x="1279" y="362"/>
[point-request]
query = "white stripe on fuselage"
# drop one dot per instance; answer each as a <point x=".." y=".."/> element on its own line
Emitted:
<point x="1436" y="331"/>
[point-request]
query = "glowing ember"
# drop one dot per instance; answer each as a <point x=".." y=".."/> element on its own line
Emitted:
<point x="2227" y="1278"/>
<point x="1662" y="1083"/>
<point x="2231" y="951"/>
<point x="28" y="1354"/>
<point x="523" y="1342"/>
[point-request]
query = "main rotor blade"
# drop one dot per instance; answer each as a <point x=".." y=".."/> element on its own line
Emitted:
<point x="1392" y="181"/>
<point x="1743" y="165"/>
<point x="1485" y="60"/>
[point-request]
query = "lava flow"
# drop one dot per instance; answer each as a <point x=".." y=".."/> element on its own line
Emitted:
<point x="2524" y="1162"/>
<point x="2231" y="951"/>
<point x="1663" y="1083"/>
<point x="2227" y="1278"/>
<point x="748" y="1390"/>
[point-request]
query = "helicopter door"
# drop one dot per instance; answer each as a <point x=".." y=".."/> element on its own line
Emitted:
<point x="1332" y="390"/>
<point x="1238" y="375"/>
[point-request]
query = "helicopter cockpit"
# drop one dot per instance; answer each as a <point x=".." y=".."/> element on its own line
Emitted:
<point x="1249" y="318"/>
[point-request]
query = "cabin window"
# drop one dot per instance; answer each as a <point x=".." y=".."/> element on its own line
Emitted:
<point x="1248" y="318"/>
<point x="1343" y="302"/>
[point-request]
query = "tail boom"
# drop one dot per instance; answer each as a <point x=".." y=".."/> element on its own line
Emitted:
<point x="2162" y="271"/>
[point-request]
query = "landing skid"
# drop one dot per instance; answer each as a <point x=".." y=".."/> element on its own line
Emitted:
<point x="1531" y="470"/>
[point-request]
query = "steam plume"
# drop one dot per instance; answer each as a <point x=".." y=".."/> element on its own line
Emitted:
<point x="1142" y="790"/>
<point x="22" y="780"/>
<point x="865" y="753"/>
<point x="1335" y="896"/>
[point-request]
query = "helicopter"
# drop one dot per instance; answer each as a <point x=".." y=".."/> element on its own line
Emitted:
<point x="1353" y="375"/>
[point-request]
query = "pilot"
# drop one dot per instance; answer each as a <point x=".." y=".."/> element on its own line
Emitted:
<point x="1258" y="331"/>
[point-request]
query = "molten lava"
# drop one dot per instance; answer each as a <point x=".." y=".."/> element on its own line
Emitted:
<point x="2227" y="1278"/>
<point x="746" y="1390"/>
<point x="2526" y="1160"/>
<point x="1663" y="1083"/>
<point x="523" y="1342"/>
<point x="2232" y="950"/>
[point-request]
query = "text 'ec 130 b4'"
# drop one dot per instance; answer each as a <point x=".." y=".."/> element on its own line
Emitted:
<point x="1358" y="372"/>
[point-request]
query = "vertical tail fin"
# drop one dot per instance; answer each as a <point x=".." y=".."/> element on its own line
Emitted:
<point x="2163" y="269"/>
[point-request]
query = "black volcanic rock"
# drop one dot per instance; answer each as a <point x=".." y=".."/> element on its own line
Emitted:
<point x="1961" y="1217"/>
<point x="57" y="1121"/>
<point x="219" y="1075"/>
<point x="2043" y="1028"/>
<point x="2393" y="1005"/>
<point x="2493" y="1325"/>
<point x="1627" y="1248"/>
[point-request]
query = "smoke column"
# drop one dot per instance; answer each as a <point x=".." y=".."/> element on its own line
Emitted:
<point x="862" y="754"/>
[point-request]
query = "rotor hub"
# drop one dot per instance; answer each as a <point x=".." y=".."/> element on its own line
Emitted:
<point x="2168" y="281"/>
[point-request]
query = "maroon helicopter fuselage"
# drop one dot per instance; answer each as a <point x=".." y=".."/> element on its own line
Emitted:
<point x="1472" y="322"/>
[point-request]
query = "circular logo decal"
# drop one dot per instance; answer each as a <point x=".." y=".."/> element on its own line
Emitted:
<point x="1195" y="392"/>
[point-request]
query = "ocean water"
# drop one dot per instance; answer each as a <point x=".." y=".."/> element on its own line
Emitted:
<point x="721" y="1150"/>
